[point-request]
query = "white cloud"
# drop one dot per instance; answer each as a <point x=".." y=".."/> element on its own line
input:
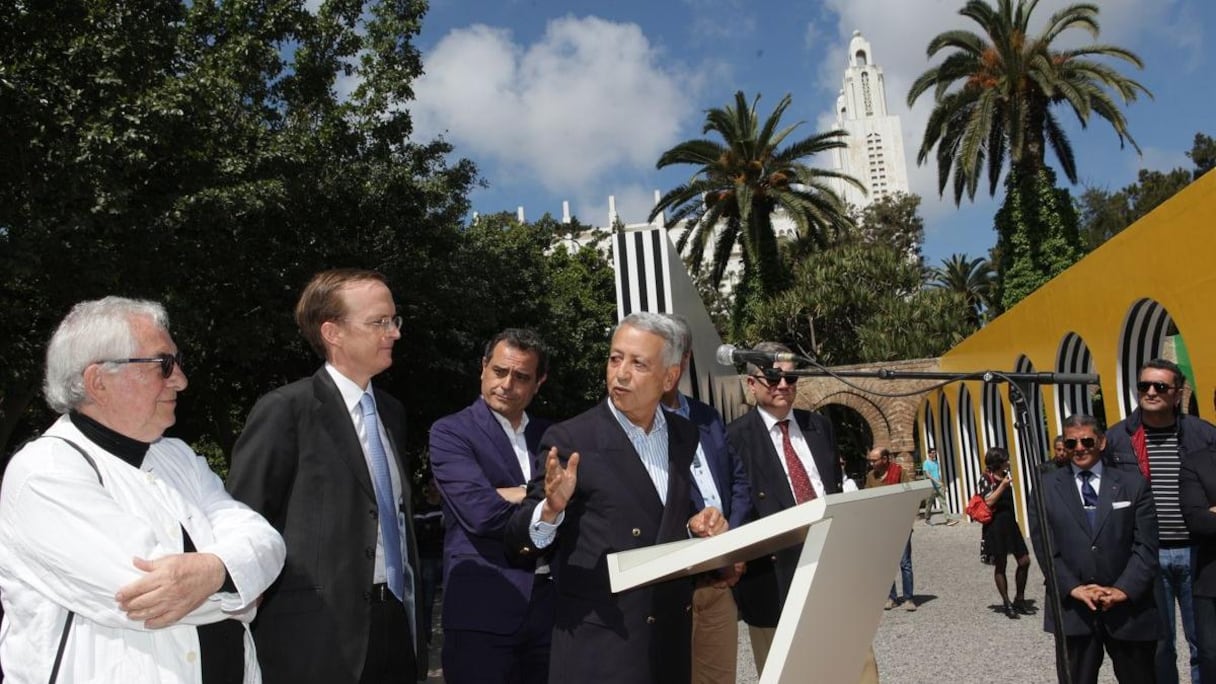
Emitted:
<point x="589" y="97"/>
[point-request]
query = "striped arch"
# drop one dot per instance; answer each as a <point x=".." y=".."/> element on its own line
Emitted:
<point x="996" y="429"/>
<point x="970" y="456"/>
<point x="1073" y="357"/>
<point x="1141" y="340"/>
<point x="928" y="425"/>
<point x="945" y="457"/>
<point x="1036" y="416"/>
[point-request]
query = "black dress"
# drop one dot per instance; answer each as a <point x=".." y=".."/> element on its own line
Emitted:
<point x="1002" y="536"/>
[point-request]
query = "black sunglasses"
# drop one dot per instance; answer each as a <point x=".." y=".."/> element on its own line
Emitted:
<point x="165" y="360"/>
<point x="773" y="378"/>
<point x="1161" y="387"/>
<point x="1087" y="442"/>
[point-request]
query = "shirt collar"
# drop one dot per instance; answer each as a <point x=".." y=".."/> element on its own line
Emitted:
<point x="658" y="426"/>
<point x="1096" y="470"/>
<point x="350" y="391"/>
<point x="682" y="409"/>
<point x="770" y="420"/>
<point x="506" y="424"/>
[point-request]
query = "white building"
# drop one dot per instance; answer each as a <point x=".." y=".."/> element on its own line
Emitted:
<point x="875" y="155"/>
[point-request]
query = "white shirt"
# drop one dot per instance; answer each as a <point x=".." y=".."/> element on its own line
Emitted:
<point x="702" y="476"/>
<point x="1095" y="481"/>
<point x="519" y="443"/>
<point x="67" y="542"/>
<point x="351" y="395"/>
<point x="801" y="448"/>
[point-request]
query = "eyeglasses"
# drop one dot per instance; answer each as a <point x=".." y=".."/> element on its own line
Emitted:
<point x="386" y="324"/>
<point x="774" y="378"/>
<point x="1087" y="442"/>
<point x="166" y="361"/>
<point x="1161" y="387"/>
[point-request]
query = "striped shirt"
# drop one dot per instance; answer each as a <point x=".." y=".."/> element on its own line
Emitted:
<point x="1163" y="468"/>
<point x="651" y="446"/>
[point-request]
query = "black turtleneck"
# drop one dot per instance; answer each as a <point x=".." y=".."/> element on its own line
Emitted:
<point x="221" y="644"/>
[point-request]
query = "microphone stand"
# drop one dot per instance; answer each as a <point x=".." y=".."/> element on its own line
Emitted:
<point x="1032" y="446"/>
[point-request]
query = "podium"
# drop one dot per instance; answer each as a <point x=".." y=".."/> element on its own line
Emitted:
<point x="851" y="546"/>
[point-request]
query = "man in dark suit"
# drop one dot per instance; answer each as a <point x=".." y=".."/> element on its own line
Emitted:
<point x="321" y="459"/>
<point x="1104" y="532"/>
<point x="790" y="457"/>
<point x="720" y="481"/>
<point x="497" y="613"/>
<point x="1197" y="491"/>
<point x="617" y="477"/>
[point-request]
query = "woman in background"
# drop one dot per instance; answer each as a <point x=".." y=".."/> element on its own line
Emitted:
<point x="1002" y="536"/>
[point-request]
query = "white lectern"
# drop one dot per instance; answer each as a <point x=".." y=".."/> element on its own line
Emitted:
<point x="851" y="548"/>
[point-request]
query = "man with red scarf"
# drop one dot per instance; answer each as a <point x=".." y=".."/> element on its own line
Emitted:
<point x="1153" y="441"/>
<point x="884" y="472"/>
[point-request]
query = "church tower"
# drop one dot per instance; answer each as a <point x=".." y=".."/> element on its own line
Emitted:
<point x="875" y="155"/>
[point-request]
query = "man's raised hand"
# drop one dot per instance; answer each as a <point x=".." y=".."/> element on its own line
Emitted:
<point x="560" y="482"/>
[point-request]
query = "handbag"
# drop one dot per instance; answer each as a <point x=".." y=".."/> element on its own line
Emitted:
<point x="978" y="509"/>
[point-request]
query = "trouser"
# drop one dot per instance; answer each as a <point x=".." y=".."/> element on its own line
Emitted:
<point x="1173" y="589"/>
<point x="520" y="658"/>
<point x="905" y="574"/>
<point x="715" y="635"/>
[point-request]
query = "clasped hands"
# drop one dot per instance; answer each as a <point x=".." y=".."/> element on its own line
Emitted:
<point x="1098" y="597"/>
<point x="170" y="588"/>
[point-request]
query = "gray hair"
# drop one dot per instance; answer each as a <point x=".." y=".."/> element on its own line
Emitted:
<point x="772" y="347"/>
<point x="92" y="331"/>
<point x="1081" y="420"/>
<point x="663" y="326"/>
<point x="685" y="332"/>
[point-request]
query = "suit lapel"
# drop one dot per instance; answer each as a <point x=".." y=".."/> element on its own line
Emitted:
<point x="335" y="419"/>
<point x="679" y="464"/>
<point x="484" y="418"/>
<point x="769" y="461"/>
<point x="1066" y="489"/>
<point x="624" y="462"/>
<point x="1110" y="491"/>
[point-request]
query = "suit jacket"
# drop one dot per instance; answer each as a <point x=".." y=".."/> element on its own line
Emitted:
<point x="299" y="463"/>
<point x="730" y="478"/>
<point x="1120" y="551"/>
<point x="1197" y="493"/>
<point x="471" y="457"/>
<point x="762" y="590"/>
<point x="636" y="636"/>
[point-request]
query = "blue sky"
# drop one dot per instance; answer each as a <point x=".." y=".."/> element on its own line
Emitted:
<point x="575" y="101"/>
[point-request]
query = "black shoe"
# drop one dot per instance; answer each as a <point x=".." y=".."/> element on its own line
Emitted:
<point x="1009" y="611"/>
<point x="1021" y="608"/>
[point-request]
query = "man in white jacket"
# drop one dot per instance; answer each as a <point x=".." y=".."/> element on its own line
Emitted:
<point x="122" y="557"/>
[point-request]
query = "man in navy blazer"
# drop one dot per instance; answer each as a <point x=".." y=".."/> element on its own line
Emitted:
<point x="497" y="612"/>
<point x="719" y="480"/>
<point x="759" y="437"/>
<point x="1103" y="526"/>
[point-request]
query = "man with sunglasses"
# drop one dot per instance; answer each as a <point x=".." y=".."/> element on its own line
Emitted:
<point x="790" y="458"/>
<point x="1104" y="534"/>
<point x="322" y="459"/>
<point x="122" y="558"/>
<point x="1153" y="441"/>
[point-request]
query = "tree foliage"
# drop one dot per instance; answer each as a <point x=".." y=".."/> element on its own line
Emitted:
<point x="1037" y="236"/>
<point x="739" y="184"/>
<point x="994" y="93"/>
<point x="1203" y="154"/>
<point x="213" y="156"/>
<point x="893" y="219"/>
<point x="859" y="302"/>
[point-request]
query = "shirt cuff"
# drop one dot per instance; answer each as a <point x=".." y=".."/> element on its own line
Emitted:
<point x="540" y="532"/>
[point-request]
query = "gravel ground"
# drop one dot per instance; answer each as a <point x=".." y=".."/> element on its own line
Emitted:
<point x="956" y="633"/>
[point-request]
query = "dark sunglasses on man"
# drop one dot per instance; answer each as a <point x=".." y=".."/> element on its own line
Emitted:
<point x="1161" y="387"/>
<point x="166" y="361"/>
<point x="773" y="376"/>
<point x="1087" y="442"/>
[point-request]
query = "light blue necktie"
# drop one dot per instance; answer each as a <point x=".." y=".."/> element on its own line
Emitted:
<point x="390" y="534"/>
<point x="1089" y="497"/>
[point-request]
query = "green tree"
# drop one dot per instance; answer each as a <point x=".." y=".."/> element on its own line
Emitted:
<point x="994" y="96"/>
<point x="1105" y="214"/>
<point x="858" y="302"/>
<point x="738" y="186"/>
<point x="971" y="279"/>
<point x="1203" y="154"/>
<point x="176" y="151"/>
<point x="893" y="219"/>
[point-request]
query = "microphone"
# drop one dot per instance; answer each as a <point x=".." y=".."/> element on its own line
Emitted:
<point x="728" y="355"/>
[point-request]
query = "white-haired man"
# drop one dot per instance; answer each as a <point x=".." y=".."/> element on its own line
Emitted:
<point x="122" y="558"/>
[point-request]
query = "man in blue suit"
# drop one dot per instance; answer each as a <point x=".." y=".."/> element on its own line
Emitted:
<point x="1103" y="526"/>
<point x="497" y="613"/>
<point x="720" y="481"/>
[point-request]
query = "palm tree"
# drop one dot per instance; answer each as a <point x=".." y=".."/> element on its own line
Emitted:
<point x="972" y="279"/>
<point x="738" y="185"/>
<point x="1008" y="82"/>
